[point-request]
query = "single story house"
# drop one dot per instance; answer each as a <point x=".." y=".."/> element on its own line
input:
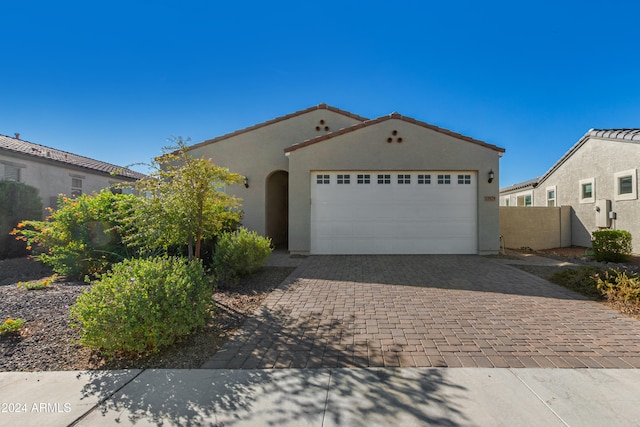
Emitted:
<point x="55" y="172"/>
<point x="597" y="178"/>
<point x="327" y="181"/>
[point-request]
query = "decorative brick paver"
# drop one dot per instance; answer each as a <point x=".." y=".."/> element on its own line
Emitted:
<point x="428" y="310"/>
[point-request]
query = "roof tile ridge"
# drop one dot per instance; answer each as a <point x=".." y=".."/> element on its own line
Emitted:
<point x="278" y="119"/>
<point x="124" y="171"/>
<point x="397" y="116"/>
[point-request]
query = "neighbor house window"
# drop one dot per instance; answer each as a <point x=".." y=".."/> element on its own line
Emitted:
<point x="551" y="196"/>
<point x="404" y="179"/>
<point x="344" y="179"/>
<point x="444" y="179"/>
<point x="506" y="201"/>
<point x="587" y="190"/>
<point x="384" y="179"/>
<point x="322" y="179"/>
<point x="424" y="179"/>
<point x="464" y="179"/>
<point x="11" y="173"/>
<point x="626" y="185"/>
<point x="524" y="200"/>
<point x="76" y="187"/>
<point x="364" y="179"/>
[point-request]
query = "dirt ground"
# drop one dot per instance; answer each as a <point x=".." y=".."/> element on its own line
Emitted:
<point x="15" y="270"/>
<point x="47" y="342"/>
<point x="576" y="252"/>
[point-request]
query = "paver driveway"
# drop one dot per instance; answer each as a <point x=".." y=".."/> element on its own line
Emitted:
<point x="427" y="310"/>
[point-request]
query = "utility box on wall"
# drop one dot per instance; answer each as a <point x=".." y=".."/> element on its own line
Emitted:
<point x="603" y="208"/>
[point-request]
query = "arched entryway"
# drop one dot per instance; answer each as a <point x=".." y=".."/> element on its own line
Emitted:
<point x="277" y="208"/>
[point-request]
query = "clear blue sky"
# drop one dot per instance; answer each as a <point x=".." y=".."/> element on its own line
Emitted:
<point x="113" y="80"/>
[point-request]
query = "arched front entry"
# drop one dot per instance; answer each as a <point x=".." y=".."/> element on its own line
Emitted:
<point x="277" y="208"/>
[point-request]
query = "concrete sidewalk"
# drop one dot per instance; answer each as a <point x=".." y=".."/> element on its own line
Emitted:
<point x="323" y="397"/>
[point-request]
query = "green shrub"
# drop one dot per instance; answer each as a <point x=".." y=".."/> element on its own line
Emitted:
<point x="583" y="280"/>
<point x="240" y="253"/>
<point x="84" y="236"/>
<point x="17" y="202"/>
<point x="143" y="305"/>
<point x="611" y="245"/>
<point x="11" y="326"/>
<point x="36" y="285"/>
<point x="618" y="286"/>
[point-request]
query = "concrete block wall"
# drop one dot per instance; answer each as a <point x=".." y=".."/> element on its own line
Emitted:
<point x="535" y="227"/>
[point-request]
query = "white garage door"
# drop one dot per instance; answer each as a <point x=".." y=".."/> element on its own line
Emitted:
<point x="393" y="212"/>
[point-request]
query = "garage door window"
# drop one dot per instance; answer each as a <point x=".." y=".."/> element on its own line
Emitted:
<point x="404" y="179"/>
<point x="424" y="179"/>
<point x="384" y="179"/>
<point x="464" y="179"/>
<point x="364" y="179"/>
<point x="344" y="179"/>
<point x="322" y="179"/>
<point x="444" y="179"/>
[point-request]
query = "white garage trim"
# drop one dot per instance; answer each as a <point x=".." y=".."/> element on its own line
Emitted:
<point x="394" y="212"/>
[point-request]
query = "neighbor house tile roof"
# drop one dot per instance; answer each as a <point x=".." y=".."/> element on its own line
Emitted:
<point x="385" y="118"/>
<point x="42" y="152"/>
<point x="624" y="135"/>
<point x="279" y="119"/>
<point x="520" y="186"/>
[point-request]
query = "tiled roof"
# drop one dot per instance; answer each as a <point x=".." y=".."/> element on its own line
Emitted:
<point x="280" y="119"/>
<point x="42" y="152"/>
<point x="520" y="186"/>
<point x="625" y="135"/>
<point x="384" y="118"/>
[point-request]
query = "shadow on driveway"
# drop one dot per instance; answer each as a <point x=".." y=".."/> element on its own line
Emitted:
<point x="461" y="272"/>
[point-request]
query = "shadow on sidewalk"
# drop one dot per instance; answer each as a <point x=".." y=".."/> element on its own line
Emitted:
<point x="355" y="397"/>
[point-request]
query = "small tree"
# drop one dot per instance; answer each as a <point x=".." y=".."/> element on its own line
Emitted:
<point x="184" y="203"/>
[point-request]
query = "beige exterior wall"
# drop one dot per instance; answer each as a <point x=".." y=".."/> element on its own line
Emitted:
<point x="599" y="160"/>
<point x="54" y="178"/>
<point x="535" y="227"/>
<point x="258" y="153"/>
<point x="368" y="149"/>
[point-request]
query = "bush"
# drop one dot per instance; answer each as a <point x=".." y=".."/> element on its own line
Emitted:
<point x="240" y="253"/>
<point x="11" y="326"/>
<point x="582" y="280"/>
<point x="143" y="305"/>
<point x="84" y="236"/>
<point x="618" y="286"/>
<point x="17" y="202"/>
<point x="611" y="245"/>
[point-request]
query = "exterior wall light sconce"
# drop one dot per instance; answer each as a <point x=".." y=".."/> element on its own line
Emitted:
<point x="245" y="181"/>
<point x="491" y="176"/>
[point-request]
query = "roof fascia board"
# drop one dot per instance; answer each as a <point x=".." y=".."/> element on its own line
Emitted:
<point x="277" y="120"/>
<point x="71" y="166"/>
<point x="389" y="117"/>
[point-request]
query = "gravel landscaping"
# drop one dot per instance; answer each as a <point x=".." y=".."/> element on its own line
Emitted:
<point x="46" y="341"/>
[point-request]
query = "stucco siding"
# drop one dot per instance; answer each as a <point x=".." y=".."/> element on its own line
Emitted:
<point x="260" y="152"/>
<point x="368" y="149"/>
<point x="599" y="160"/>
<point x="52" y="179"/>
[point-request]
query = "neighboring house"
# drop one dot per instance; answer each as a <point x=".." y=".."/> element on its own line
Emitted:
<point x="326" y="181"/>
<point x="518" y="194"/>
<point x="598" y="178"/>
<point x="55" y="172"/>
